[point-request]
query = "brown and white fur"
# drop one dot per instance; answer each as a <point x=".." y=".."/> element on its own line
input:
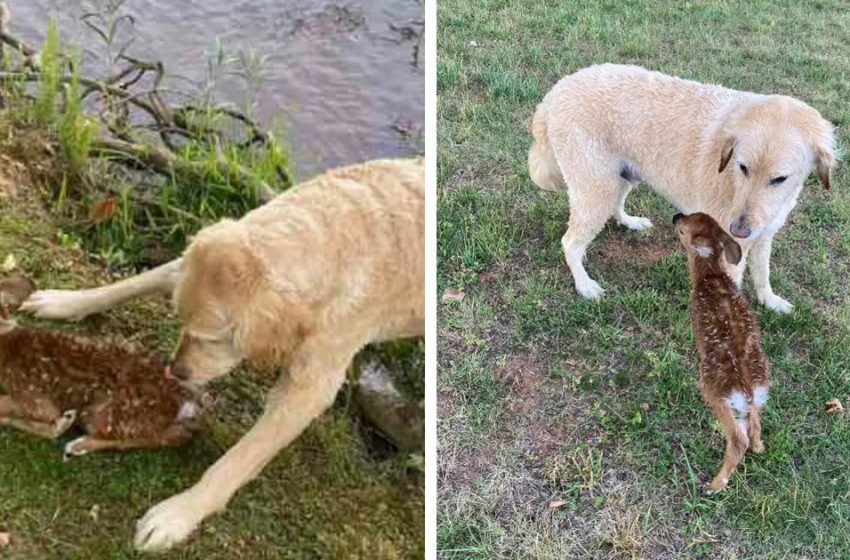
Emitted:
<point x="733" y="374"/>
<point x="303" y="282"/>
<point x="54" y="381"/>
<point x="740" y="157"/>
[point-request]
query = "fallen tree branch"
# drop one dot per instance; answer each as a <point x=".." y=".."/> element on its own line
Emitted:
<point x="166" y="163"/>
<point x="30" y="55"/>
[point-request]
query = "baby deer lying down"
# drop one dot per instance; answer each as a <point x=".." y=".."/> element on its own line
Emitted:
<point x="53" y="381"/>
<point x="733" y="377"/>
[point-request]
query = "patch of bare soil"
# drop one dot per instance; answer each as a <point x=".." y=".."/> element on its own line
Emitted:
<point x="632" y="248"/>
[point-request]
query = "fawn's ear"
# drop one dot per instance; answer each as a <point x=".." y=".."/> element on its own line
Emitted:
<point x="701" y="247"/>
<point x="730" y="248"/>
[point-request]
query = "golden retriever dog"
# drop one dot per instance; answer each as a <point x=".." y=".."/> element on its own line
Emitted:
<point x="740" y="157"/>
<point x="301" y="283"/>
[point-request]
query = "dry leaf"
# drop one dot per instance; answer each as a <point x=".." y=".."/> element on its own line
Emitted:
<point x="10" y="264"/>
<point x="644" y="406"/>
<point x="557" y="504"/>
<point x="834" y="405"/>
<point x="103" y="210"/>
<point x="453" y="295"/>
<point x="94" y="512"/>
<point x="5" y="539"/>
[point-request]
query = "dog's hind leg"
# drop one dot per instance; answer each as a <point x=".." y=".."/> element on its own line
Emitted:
<point x="630" y="179"/>
<point x="77" y="304"/>
<point x="590" y="207"/>
<point x="754" y="429"/>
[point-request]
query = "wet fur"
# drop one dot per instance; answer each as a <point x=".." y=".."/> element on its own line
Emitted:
<point x="301" y="283"/>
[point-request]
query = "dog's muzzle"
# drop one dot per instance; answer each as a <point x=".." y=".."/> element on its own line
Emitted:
<point x="740" y="228"/>
<point x="678" y="217"/>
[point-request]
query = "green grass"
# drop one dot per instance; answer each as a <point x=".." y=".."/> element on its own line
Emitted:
<point x="544" y="396"/>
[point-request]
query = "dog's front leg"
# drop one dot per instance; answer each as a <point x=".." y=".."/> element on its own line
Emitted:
<point x="760" y="263"/>
<point x="295" y="401"/>
<point x="78" y="304"/>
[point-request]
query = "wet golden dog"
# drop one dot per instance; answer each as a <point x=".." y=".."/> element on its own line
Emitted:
<point x="733" y="373"/>
<point x="303" y="282"/>
<point x="740" y="157"/>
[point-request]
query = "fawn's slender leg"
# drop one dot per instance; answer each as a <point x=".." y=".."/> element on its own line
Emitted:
<point x="174" y="436"/>
<point x="754" y="427"/>
<point x="37" y="420"/>
<point x="736" y="445"/>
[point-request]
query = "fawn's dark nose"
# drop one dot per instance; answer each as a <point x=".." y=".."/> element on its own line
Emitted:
<point x="678" y="217"/>
<point x="177" y="371"/>
<point x="740" y="228"/>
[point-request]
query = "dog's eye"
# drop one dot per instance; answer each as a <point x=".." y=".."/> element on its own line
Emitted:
<point x="744" y="169"/>
<point x="777" y="180"/>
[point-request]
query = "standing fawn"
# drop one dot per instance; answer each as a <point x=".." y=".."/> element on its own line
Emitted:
<point x="733" y="376"/>
<point x="53" y="381"/>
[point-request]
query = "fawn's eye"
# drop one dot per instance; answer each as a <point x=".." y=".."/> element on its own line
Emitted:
<point x="778" y="180"/>
<point x="744" y="169"/>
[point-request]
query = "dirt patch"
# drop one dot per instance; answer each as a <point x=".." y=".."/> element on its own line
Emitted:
<point x="641" y="249"/>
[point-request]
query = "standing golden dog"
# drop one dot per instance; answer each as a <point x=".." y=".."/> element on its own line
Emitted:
<point x="740" y="157"/>
<point x="303" y="282"/>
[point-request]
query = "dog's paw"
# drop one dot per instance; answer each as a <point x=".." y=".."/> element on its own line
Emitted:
<point x="590" y="289"/>
<point x="758" y="447"/>
<point x="714" y="487"/>
<point x="776" y="303"/>
<point x="167" y="523"/>
<point x="75" y="448"/>
<point x="636" y="222"/>
<point x="58" y="304"/>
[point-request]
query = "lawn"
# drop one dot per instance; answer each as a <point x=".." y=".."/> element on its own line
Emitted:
<point x="334" y="493"/>
<point x="574" y="429"/>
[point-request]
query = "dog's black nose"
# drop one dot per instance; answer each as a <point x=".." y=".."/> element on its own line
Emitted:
<point x="678" y="217"/>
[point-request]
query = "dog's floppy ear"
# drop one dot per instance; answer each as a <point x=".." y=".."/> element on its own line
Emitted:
<point x="824" y="161"/>
<point x="820" y="134"/>
<point x="726" y="153"/>
<point x="731" y="248"/>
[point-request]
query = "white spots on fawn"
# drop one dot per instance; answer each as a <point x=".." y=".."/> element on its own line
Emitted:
<point x="740" y="404"/>
<point x="760" y="396"/>
<point x="187" y="411"/>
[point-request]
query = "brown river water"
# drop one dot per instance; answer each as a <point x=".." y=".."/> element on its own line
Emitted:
<point x="338" y="79"/>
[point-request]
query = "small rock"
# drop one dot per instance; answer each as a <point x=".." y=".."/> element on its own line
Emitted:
<point x="453" y="295"/>
<point x="5" y="539"/>
<point x="473" y="43"/>
<point x="402" y="421"/>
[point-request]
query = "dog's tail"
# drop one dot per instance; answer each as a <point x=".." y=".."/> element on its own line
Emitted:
<point x="542" y="166"/>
